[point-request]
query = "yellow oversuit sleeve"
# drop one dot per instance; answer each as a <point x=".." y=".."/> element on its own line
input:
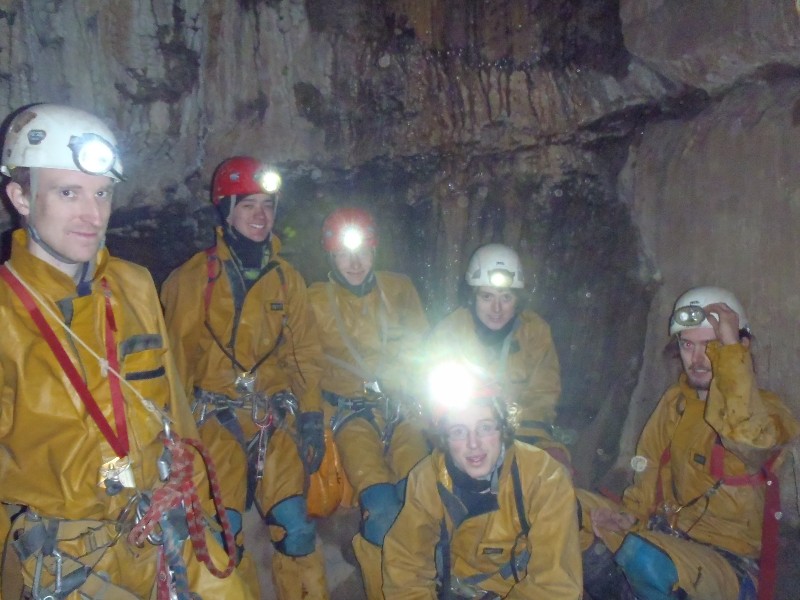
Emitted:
<point x="640" y="497"/>
<point x="402" y="372"/>
<point x="183" y="312"/>
<point x="409" y="566"/>
<point x="751" y="423"/>
<point x="302" y="353"/>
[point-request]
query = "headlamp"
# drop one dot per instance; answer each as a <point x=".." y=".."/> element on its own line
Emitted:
<point x="269" y="181"/>
<point x="93" y="154"/>
<point x="352" y="238"/>
<point x="501" y="278"/>
<point x="689" y="316"/>
<point x="451" y="385"/>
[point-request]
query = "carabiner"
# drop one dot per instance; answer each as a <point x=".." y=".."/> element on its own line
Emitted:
<point x="167" y="430"/>
<point x="141" y="510"/>
<point x="260" y="410"/>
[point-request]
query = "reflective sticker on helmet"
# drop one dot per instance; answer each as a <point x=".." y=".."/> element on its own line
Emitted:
<point x="639" y="464"/>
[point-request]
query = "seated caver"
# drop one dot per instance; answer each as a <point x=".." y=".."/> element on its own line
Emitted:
<point x="485" y="516"/>
<point x="371" y="324"/>
<point x="247" y="350"/>
<point x="511" y="342"/>
<point x="700" y="519"/>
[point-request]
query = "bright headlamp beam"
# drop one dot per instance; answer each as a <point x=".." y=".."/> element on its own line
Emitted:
<point x="451" y="386"/>
<point x="93" y="154"/>
<point x="501" y="278"/>
<point x="352" y="238"/>
<point x="269" y="181"/>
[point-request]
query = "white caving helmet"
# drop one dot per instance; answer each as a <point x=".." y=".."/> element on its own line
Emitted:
<point x="53" y="136"/>
<point x="687" y="312"/>
<point x="495" y="265"/>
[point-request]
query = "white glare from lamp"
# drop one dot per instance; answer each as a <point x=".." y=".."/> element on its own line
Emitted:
<point x="451" y="385"/>
<point x="95" y="156"/>
<point x="352" y="238"/>
<point x="500" y="279"/>
<point x="270" y="181"/>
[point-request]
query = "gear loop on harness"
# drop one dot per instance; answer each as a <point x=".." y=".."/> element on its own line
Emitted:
<point x="373" y="401"/>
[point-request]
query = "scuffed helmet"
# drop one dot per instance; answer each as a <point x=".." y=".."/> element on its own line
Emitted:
<point x="687" y="313"/>
<point x="349" y="229"/>
<point x="53" y="136"/>
<point x="495" y="265"/>
<point x="241" y="176"/>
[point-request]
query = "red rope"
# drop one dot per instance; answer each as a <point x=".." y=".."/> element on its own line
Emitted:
<point x="181" y="489"/>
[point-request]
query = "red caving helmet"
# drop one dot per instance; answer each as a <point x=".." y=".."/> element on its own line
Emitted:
<point x="241" y="176"/>
<point x="349" y="229"/>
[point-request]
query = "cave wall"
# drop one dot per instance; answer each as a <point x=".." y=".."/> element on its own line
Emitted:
<point x="459" y="123"/>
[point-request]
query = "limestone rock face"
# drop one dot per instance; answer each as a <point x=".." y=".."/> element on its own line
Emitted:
<point x="712" y="45"/>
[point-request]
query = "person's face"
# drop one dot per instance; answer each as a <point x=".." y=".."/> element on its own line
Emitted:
<point x="253" y="216"/>
<point x="495" y="307"/>
<point x="474" y="440"/>
<point x="697" y="366"/>
<point x="354" y="265"/>
<point x="70" y="214"/>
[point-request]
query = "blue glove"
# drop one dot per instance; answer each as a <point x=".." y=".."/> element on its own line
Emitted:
<point x="312" y="440"/>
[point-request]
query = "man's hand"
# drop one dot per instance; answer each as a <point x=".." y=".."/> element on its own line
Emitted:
<point x="725" y="322"/>
<point x="312" y="440"/>
<point x="611" y="520"/>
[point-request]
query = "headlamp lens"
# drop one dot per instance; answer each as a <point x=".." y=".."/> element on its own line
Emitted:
<point x="269" y="181"/>
<point x="93" y="154"/>
<point x="501" y="278"/>
<point x="689" y="316"/>
<point x="352" y="238"/>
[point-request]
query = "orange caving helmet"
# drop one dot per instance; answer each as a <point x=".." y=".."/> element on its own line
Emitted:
<point x="349" y="229"/>
<point x="241" y="176"/>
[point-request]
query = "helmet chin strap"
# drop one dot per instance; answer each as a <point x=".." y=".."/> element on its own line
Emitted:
<point x="37" y="239"/>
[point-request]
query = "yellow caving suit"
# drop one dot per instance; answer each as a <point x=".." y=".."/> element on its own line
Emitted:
<point x="486" y="543"/>
<point x="274" y="311"/>
<point x="51" y="450"/>
<point x="528" y="368"/>
<point x="385" y="327"/>
<point x="751" y="426"/>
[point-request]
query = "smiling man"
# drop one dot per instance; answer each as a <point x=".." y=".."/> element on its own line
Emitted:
<point x="484" y="516"/>
<point x="699" y="520"/>
<point x="248" y="353"/>
<point x="89" y="395"/>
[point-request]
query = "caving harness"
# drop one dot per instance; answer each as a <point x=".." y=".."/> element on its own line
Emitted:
<point x="268" y="412"/>
<point x="175" y="506"/>
<point x="450" y="587"/>
<point x="666" y="517"/>
<point x="373" y="399"/>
